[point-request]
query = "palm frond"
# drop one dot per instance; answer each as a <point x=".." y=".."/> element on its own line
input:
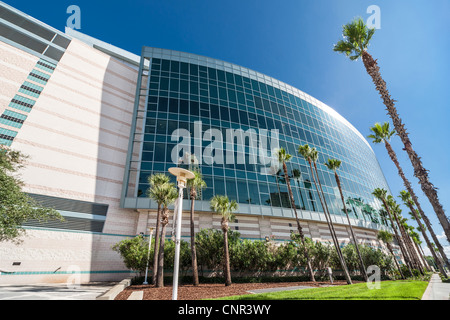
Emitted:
<point x="356" y="40"/>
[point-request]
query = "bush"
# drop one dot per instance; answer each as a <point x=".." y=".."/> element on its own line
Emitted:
<point x="185" y="255"/>
<point x="370" y="257"/>
<point x="134" y="253"/>
<point x="209" y="246"/>
<point x="259" y="256"/>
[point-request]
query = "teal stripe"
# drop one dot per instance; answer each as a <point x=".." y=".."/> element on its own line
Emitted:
<point x="125" y="235"/>
<point x="28" y="273"/>
<point x="15" y="115"/>
<point x="11" y="123"/>
<point x="5" y="142"/>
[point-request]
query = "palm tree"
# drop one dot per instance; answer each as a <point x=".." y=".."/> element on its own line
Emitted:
<point x="195" y="184"/>
<point x="407" y="200"/>
<point x="155" y="194"/>
<point x="357" y="37"/>
<point x="411" y="247"/>
<point x="284" y="157"/>
<point x="311" y="155"/>
<point x="386" y="238"/>
<point x="166" y="194"/>
<point x="381" y="194"/>
<point x="382" y="134"/>
<point x="334" y="165"/>
<point x="225" y="207"/>
<point x="396" y="213"/>
<point x="417" y="242"/>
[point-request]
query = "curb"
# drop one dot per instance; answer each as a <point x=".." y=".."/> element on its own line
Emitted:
<point x="114" y="291"/>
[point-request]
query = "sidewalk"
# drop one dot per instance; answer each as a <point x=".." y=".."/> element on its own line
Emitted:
<point x="437" y="290"/>
<point x="49" y="291"/>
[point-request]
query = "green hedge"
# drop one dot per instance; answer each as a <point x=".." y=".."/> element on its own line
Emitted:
<point x="252" y="256"/>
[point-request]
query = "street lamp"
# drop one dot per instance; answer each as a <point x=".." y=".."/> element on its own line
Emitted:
<point x="148" y="255"/>
<point x="182" y="176"/>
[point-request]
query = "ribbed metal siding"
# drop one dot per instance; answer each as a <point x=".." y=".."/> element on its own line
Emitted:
<point x="70" y="205"/>
<point x="70" y="223"/>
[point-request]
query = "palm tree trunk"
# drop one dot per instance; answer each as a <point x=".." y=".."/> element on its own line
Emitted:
<point x="156" y="244"/>
<point x="193" y="250"/>
<point x="436" y="240"/>
<point x="422" y="259"/>
<point x="415" y="254"/>
<point x="160" y="274"/>
<point x="395" y="259"/>
<point x="226" y="267"/>
<point x="419" y="171"/>
<point x="427" y="240"/>
<point x="425" y="259"/>
<point x="408" y="187"/>
<point x="399" y="240"/>
<point x="412" y="261"/>
<point x="330" y="226"/>
<point x="299" y="227"/>
<point x="363" y="268"/>
<point x="410" y="248"/>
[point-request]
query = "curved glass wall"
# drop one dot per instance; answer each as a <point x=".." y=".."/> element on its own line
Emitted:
<point x="229" y="113"/>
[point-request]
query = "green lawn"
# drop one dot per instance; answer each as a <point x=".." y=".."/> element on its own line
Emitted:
<point x="390" y="290"/>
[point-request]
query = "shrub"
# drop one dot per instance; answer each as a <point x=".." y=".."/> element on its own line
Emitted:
<point x="134" y="253"/>
<point x="255" y="256"/>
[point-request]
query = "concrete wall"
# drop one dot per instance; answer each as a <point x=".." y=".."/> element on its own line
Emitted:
<point x="76" y="136"/>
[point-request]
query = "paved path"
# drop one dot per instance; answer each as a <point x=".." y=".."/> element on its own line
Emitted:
<point x="437" y="290"/>
<point x="53" y="291"/>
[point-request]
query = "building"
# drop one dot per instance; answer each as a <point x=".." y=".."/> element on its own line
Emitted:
<point x="96" y="121"/>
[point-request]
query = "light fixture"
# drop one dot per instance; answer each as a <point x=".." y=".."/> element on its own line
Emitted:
<point x="183" y="176"/>
<point x="148" y="254"/>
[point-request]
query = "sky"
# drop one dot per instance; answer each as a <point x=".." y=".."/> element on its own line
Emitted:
<point x="292" y="40"/>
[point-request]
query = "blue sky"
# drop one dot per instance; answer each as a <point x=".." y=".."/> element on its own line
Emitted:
<point x="292" y="40"/>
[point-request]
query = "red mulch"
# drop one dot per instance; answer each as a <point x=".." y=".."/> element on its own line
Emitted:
<point x="205" y="291"/>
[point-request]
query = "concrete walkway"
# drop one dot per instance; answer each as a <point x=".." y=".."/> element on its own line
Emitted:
<point x="53" y="291"/>
<point x="437" y="290"/>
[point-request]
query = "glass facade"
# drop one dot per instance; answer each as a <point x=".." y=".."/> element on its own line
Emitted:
<point x="207" y="98"/>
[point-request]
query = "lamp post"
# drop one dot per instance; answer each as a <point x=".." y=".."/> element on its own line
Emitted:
<point x="148" y="255"/>
<point x="182" y="176"/>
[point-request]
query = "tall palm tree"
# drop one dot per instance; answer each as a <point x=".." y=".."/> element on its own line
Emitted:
<point x="381" y="194"/>
<point x="155" y="194"/>
<point x="311" y="155"/>
<point x="407" y="200"/>
<point x="334" y="165"/>
<point x="166" y="194"/>
<point x="381" y="133"/>
<point x="356" y="40"/>
<point x="225" y="207"/>
<point x="284" y="157"/>
<point x="396" y="213"/>
<point x="417" y="242"/>
<point x="417" y="239"/>
<point x="386" y="238"/>
<point x="411" y="247"/>
<point x="195" y="184"/>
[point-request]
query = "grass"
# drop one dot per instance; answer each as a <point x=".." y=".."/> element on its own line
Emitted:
<point x="390" y="290"/>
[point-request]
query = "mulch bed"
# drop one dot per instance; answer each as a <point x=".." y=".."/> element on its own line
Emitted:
<point x="205" y="291"/>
